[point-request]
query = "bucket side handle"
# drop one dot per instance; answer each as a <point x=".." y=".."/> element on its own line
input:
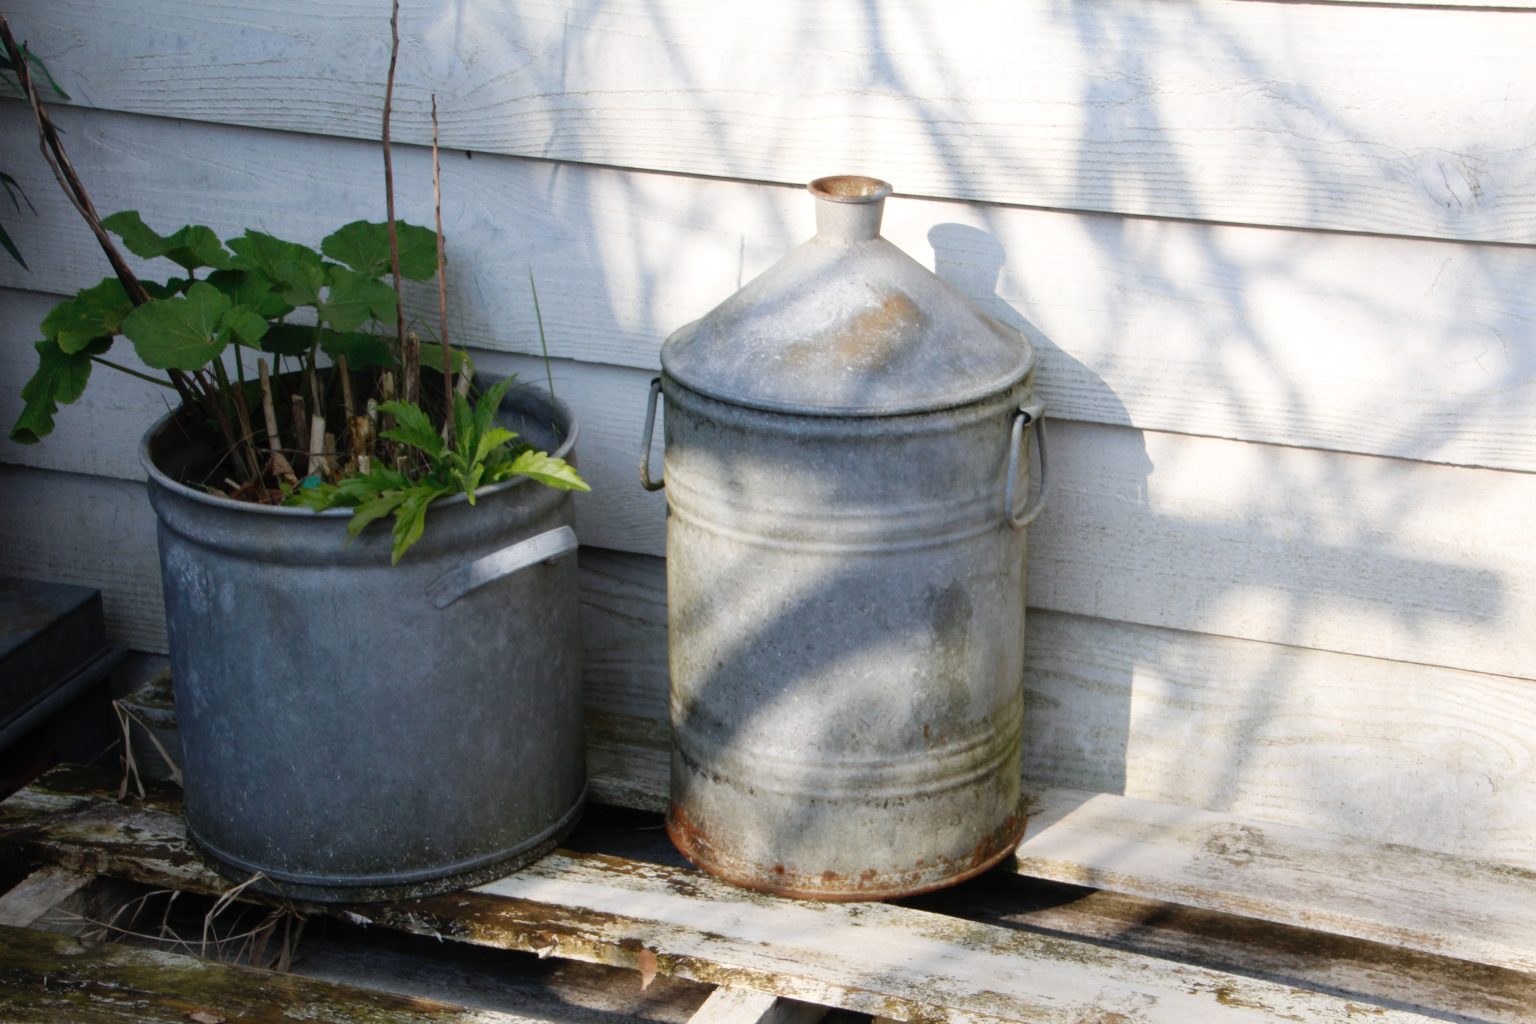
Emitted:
<point x="645" y="442"/>
<point x="1030" y="415"/>
<point x="466" y="579"/>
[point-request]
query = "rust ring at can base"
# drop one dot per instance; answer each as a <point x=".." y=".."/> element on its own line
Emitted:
<point x="693" y="843"/>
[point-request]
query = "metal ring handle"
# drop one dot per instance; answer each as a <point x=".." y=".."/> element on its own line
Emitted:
<point x="467" y="579"/>
<point x="1031" y="415"/>
<point x="645" y="442"/>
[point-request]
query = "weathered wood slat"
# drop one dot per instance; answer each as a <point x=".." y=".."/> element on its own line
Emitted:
<point x="1384" y="750"/>
<point x="552" y="990"/>
<point x="1303" y="339"/>
<point x="1454" y="990"/>
<point x="51" y="978"/>
<point x="34" y="896"/>
<point x="727" y="1005"/>
<point x="1267" y="113"/>
<point x="879" y="959"/>
<point x="1386" y="893"/>
<point x="1397" y="895"/>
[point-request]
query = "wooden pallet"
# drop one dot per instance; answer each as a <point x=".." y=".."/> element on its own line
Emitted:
<point x="1188" y="941"/>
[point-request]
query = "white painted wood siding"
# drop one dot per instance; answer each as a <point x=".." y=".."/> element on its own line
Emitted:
<point x="1279" y="261"/>
<point x="1402" y="121"/>
<point x="1403" y="347"/>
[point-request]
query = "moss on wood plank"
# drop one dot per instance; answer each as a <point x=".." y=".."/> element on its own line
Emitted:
<point x="47" y="978"/>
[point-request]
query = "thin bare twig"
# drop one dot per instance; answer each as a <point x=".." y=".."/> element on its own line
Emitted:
<point x="410" y="354"/>
<point x="442" y="285"/>
<point x="64" y="173"/>
<point x="227" y="897"/>
<point x="125" y="719"/>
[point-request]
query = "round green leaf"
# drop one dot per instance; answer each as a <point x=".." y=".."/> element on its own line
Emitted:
<point x="181" y="333"/>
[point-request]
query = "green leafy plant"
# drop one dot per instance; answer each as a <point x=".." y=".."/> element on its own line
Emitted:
<point x="481" y="454"/>
<point x="244" y="302"/>
<point x="350" y="404"/>
<point x="259" y="294"/>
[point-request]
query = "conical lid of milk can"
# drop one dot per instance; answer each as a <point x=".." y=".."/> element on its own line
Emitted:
<point x="847" y="325"/>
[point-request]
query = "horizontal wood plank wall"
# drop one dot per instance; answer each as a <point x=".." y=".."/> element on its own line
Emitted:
<point x="1286" y="572"/>
<point x="1387" y="346"/>
<point x="1263" y="113"/>
<point x="1380" y="557"/>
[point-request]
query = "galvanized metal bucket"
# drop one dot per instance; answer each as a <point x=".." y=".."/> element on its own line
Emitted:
<point x="844" y="468"/>
<point x="358" y="731"/>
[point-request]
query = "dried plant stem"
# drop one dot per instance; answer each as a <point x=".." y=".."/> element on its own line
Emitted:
<point x="345" y="373"/>
<point x="410" y="351"/>
<point x="360" y="429"/>
<point x="126" y="719"/>
<point x="316" y="392"/>
<point x="247" y="435"/>
<point x="442" y="284"/>
<point x="318" y="466"/>
<point x="211" y="391"/>
<point x="281" y="467"/>
<point x="64" y="172"/>
<point x="300" y="422"/>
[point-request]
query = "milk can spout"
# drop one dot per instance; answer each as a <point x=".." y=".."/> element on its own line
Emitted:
<point x="848" y="207"/>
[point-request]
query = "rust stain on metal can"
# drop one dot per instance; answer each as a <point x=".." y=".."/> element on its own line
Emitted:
<point x="845" y="590"/>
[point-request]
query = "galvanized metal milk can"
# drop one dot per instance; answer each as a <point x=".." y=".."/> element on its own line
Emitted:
<point x="845" y="467"/>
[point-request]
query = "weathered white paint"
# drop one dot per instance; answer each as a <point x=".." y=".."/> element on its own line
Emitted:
<point x="1357" y="886"/>
<point x="727" y="1005"/>
<point x="1299" y="338"/>
<point x="1452" y="906"/>
<point x="30" y="899"/>
<point x="1395" y="752"/>
<point x="1378" y="557"/>
<point x="1383" y="750"/>
<point x="1268" y="113"/>
<point x="895" y="961"/>
<point x="885" y="960"/>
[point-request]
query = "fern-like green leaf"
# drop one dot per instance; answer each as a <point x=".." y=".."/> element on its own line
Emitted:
<point x="546" y="469"/>
<point x="411" y="518"/>
<point x="412" y="427"/>
<point x="375" y="508"/>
